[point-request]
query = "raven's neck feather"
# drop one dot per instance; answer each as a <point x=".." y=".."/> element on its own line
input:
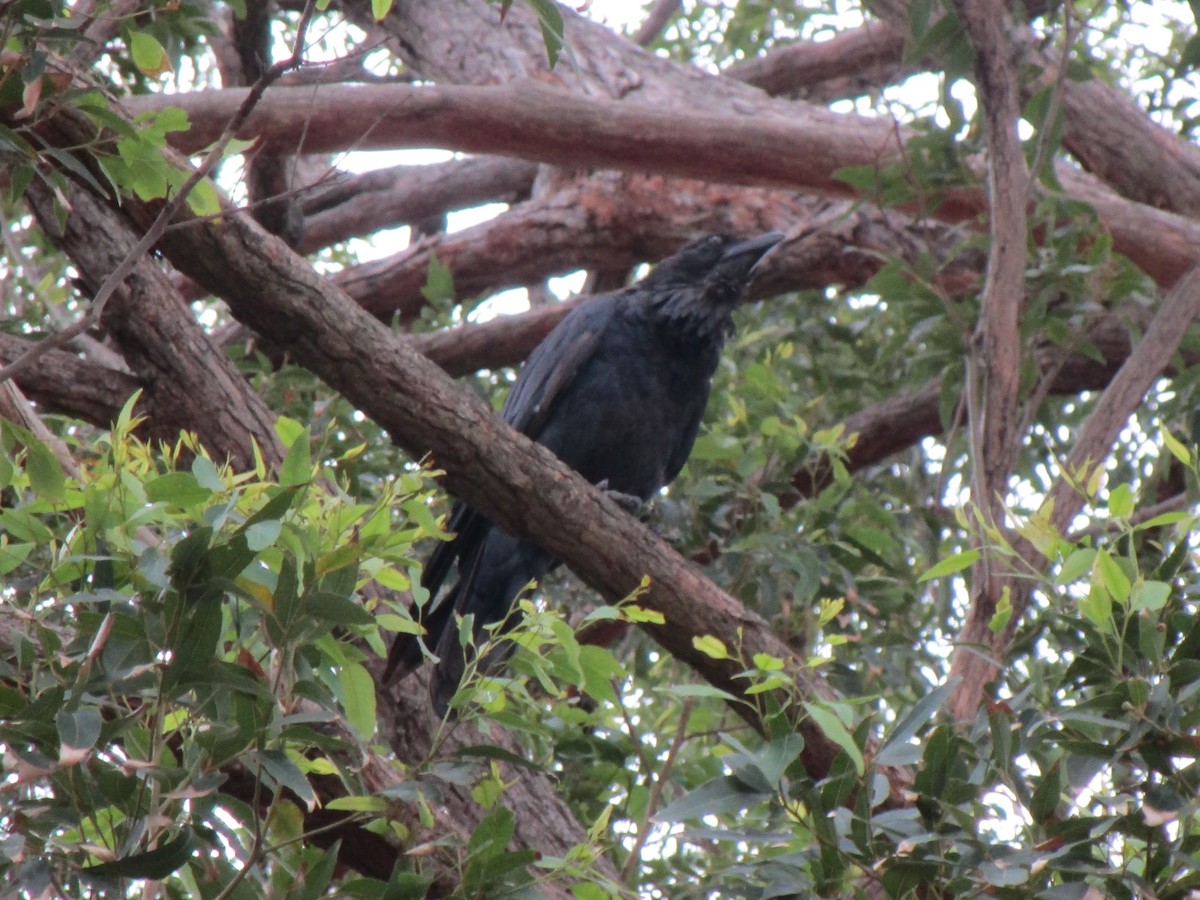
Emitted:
<point x="689" y="316"/>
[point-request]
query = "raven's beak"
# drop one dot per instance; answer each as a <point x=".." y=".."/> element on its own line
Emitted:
<point x="748" y="253"/>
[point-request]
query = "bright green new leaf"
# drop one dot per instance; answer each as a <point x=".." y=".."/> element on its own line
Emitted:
<point x="1112" y="576"/>
<point x="635" y="613"/>
<point x="951" y="564"/>
<point x="148" y="54"/>
<point x="1178" y="449"/>
<point x="1149" y="595"/>
<point x="711" y="646"/>
<point x="1120" y="501"/>
<point x="836" y="731"/>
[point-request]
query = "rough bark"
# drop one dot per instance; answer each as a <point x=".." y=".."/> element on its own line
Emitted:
<point x="849" y="63"/>
<point x="994" y="360"/>
<point x="189" y="383"/>
<point x="63" y="383"/>
<point x="534" y="122"/>
<point x="364" y="204"/>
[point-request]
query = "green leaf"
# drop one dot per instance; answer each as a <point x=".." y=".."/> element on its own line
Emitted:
<point x="285" y="773"/>
<point x="317" y="877"/>
<point x="1178" y="450"/>
<point x="710" y="646"/>
<point x="358" y="804"/>
<point x="177" y="489"/>
<point x="289" y="430"/>
<point x="297" y="465"/>
<point x="439" y="283"/>
<point x="896" y="750"/>
<point x="153" y="864"/>
<point x="203" y="200"/>
<point x="1120" y="501"/>
<point x="599" y="668"/>
<point x="1112" y="576"/>
<point x="1004" y="610"/>
<point x="1046" y="796"/>
<point x="552" y="27"/>
<point x="1076" y="565"/>
<point x="835" y="730"/>
<point x="261" y="535"/>
<point x="358" y="698"/>
<point x="635" y="613"/>
<point x="725" y="795"/>
<point x="79" y="729"/>
<point x="380" y="8"/>
<point x="951" y="564"/>
<point x="45" y="474"/>
<point x="148" y="54"/>
<point x="493" y="834"/>
<point x="696" y="690"/>
<point x="1149" y="595"/>
<point x="1096" y="607"/>
<point x="206" y="474"/>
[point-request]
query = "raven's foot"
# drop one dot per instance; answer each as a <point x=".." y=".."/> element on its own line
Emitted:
<point x="628" y="502"/>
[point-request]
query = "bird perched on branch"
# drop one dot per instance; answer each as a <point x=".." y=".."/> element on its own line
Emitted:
<point x="616" y="391"/>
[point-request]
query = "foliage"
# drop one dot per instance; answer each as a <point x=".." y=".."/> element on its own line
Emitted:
<point x="186" y="650"/>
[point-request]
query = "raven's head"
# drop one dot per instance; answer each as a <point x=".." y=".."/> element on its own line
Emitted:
<point x="696" y="289"/>
<point x="719" y="265"/>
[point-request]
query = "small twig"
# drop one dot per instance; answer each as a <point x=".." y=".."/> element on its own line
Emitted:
<point x="656" y="789"/>
<point x="1056" y="99"/>
<point x="1172" y="504"/>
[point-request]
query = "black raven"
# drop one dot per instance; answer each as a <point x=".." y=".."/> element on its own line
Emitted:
<point x="616" y="391"/>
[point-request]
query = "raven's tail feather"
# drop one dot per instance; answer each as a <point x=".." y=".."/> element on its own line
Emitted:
<point x="406" y="654"/>
<point x="454" y="659"/>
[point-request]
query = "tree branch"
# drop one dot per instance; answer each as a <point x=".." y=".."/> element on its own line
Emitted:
<point x="190" y="384"/>
<point x="541" y="124"/>
<point x="994" y="359"/>
<point x="1094" y="443"/>
<point x="63" y="383"/>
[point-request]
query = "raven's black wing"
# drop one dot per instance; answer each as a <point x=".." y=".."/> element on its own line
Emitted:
<point x="554" y="363"/>
<point x="549" y="370"/>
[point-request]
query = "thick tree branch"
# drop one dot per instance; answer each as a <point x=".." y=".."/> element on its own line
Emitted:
<point x="64" y="383"/>
<point x="538" y="123"/>
<point x="531" y="121"/>
<point x="190" y="384"/>
<point x="849" y="63"/>
<point x="386" y="198"/>
<point x="994" y="360"/>
<point x="660" y="13"/>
